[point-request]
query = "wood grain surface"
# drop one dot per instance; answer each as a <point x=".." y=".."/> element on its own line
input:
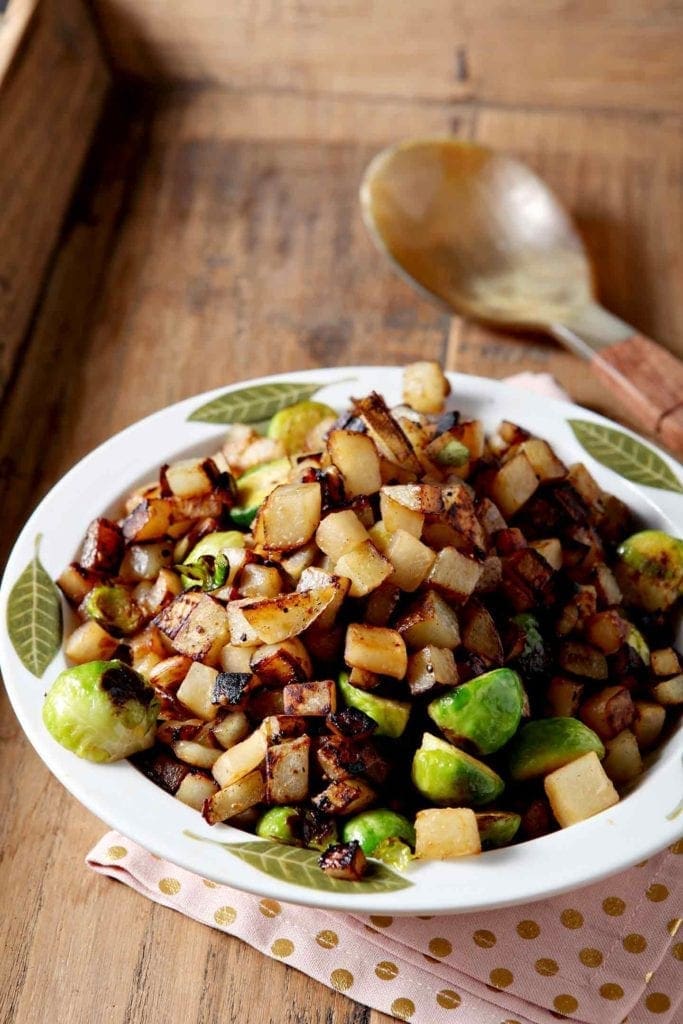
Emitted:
<point x="216" y="235"/>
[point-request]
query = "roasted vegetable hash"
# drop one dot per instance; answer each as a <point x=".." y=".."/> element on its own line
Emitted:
<point x="377" y="634"/>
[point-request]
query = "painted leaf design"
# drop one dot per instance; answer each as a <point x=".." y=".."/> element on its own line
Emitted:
<point x="255" y="403"/>
<point x="625" y="455"/>
<point x="34" y="617"/>
<point x="300" y="867"/>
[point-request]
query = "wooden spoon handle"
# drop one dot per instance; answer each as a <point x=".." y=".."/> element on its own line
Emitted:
<point x="649" y="381"/>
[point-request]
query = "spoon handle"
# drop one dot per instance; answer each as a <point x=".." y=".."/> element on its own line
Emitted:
<point x="647" y="378"/>
<point x="649" y="381"/>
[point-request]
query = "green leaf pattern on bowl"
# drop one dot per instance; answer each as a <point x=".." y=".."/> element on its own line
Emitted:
<point x="625" y="455"/>
<point x="297" y="866"/>
<point x="34" y="617"/>
<point x="254" y="404"/>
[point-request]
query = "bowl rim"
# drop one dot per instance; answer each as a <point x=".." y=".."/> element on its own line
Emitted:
<point x="128" y="802"/>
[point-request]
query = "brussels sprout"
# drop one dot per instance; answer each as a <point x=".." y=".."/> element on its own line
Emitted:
<point x="636" y="640"/>
<point x="484" y="712"/>
<point x="391" y="715"/>
<point x="497" y="828"/>
<point x="291" y="426"/>
<point x="370" y="828"/>
<point x="113" y="608"/>
<point x="102" y="711"/>
<point x="281" y="824"/>
<point x="394" y="853"/>
<point x="452" y="454"/>
<point x="215" y="544"/>
<point x="448" y="776"/>
<point x="534" y="660"/>
<point x="207" y="573"/>
<point x="650" y="570"/>
<point x="549" y="743"/>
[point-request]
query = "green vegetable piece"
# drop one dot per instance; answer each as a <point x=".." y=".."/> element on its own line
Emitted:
<point x="453" y="454"/>
<point x="391" y="715"/>
<point x="254" y="486"/>
<point x="533" y="662"/>
<point x="370" y="828"/>
<point x="448" y="776"/>
<point x="636" y="640"/>
<point x="113" y="608"/>
<point x="650" y="570"/>
<point x="497" y="828"/>
<point x="208" y="573"/>
<point x="485" y="712"/>
<point x="394" y="853"/>
<point x="281" y="824"/>
<point x="291" y="426"/>
<point x="215" y="544"/>
<point x="101" y="711"/>
<point x="549" y="743"/>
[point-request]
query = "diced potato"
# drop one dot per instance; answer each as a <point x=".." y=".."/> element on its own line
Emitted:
<point x="664" y="662"/>
<point x="425" y="499"/>
<point x="425" y="386"/>
<point x="195" y="788"/>
<point x="606" y="586"/>
<point x="102" y="546"/>
<point x="648" y="722"/>
<point x="551" y="550"/>
<point x="430" y="667"/>
<point x="582" y="660"/>
<point x="196" y="754"/>
<point x="149" y="520"/>
<point x="231" y="729"/>
<point x="236" y="762"/>
<point x="376" y="649"/>
<point x="345" y="796"/>
<point x="670" y="691"/>
<point x="445" y="832"/>
<point x="76" y="582"/>
<point x="356" y="458"/>
<point x="278" y="618"/>
<point x="396" y="516"/>
<point x="365" y="567"/>
<point x="582" y="482"/>
<point x="411" y="560"/>
<point x="260" y="581"/>
<point x="606" y="630"/>
<point x="622" y="761"/>
<point x="265" y="703"/>
<point x="479" y="633"/>
<point x="381" y="604"/>
<point x="454" y="574"/>
<point x="196" y="625"/>
<point x="169" y="673"/>
<point x="380" y="536"/>
<point x="491" y="575"/>
<point x="287" y="771"/>
<point x="340" y="532"/>
<point x="429" y="621"/>
<point x="295" y="564"/>
<point x="312" y="578"/>
<point x="242" y="633"/>
<point x="390" y="439"/>
<point x="288" y="517"/>
<point x="345" y="861"/>
<point x="608" y="711"/>
<point x="314" y="697"/>
<point x="579" y="790"/>
<point x="461" y="516"/>
<point x="543" y="459"/>
<point x="513" y="484"/>
<point x="563" y="697"/>
<point x="235" y="799"/>
<point x="191" y="477"/>
<point x="277" y="728"/>
<point x="196" y="690"/>
<point x="152" y="599"/>
<point x="89" y="642"/>
<point x="279" y="664"/>
<point x="232" y="690"/>
<point x="234" y="658"/>
<point x="363" y="679"/>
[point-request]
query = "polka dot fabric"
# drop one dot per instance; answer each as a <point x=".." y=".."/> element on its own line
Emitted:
<point x="601" y="955"/>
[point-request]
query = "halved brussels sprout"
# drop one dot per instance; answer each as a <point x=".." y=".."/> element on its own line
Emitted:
<point x="370" y="828"/>
<point x="101" y="711"/>
<point x="281" y="825"/>
<point x="448" y="776"/>
<point x="534" y="660"/>
<point x="497" y="828"/>
<point x="650" y="570"/>
<point x="636" y="640"/>
<point x="113" y="608"/>
<point x="391" y="715"/>
<point x="291" y="426"/>
<point x="549" y="743"/>
<point x="485" y="712"/>
<point x="215" y="544"/>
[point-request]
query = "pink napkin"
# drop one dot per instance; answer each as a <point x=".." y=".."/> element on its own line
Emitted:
<point x="595" y="955"/>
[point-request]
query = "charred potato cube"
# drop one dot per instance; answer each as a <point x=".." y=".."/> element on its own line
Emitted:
<point x="234" y="799"/>
<point x="279" y="618"/>
<point x="196" y="625"/>
<point x="195" y="789"/>
<point x="150" y="520"/>
<point x="670" y="691"/>
<point x="356" y="458"/>
<point x="345" y="861"/>
<point x="665" y="662"/>
<point x="102" y="547"/>
<point x="397" y="516"/>
<point x="429" y="621"/>
<point x="376" y="649"/>
<point x="351" y="724"/>
<point x="345" y="796"/>
<point x="579" y="790"/>
<point x="288" y="517"/>
<point x="89" y="642"/>
<point x="608" y="711"/>
<point x="454" y="574"/>
<point x="287" y="771"/>
<point x="514" y="484"/>
<point x="231" y="690"/>
<point x="312" y="698"/>
<point x="365" y="567"/>
<point x="429" y="667"/>
<point x="282" y="727"/>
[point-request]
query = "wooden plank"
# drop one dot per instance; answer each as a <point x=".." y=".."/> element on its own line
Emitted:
<point x="620" y="177"/>
<point x="51" y="95"/>
<point x="617" y="55"/>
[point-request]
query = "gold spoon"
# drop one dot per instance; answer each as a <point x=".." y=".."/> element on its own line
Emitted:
<point x="483" y="234"/>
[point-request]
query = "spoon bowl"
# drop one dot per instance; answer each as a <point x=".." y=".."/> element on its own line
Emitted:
<point x="482" y="234"/>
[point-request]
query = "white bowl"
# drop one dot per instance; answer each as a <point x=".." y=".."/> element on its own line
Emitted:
<point x="643" y="822"/>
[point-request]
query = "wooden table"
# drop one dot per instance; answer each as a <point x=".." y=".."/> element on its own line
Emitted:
<point x="215" y="235"/>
